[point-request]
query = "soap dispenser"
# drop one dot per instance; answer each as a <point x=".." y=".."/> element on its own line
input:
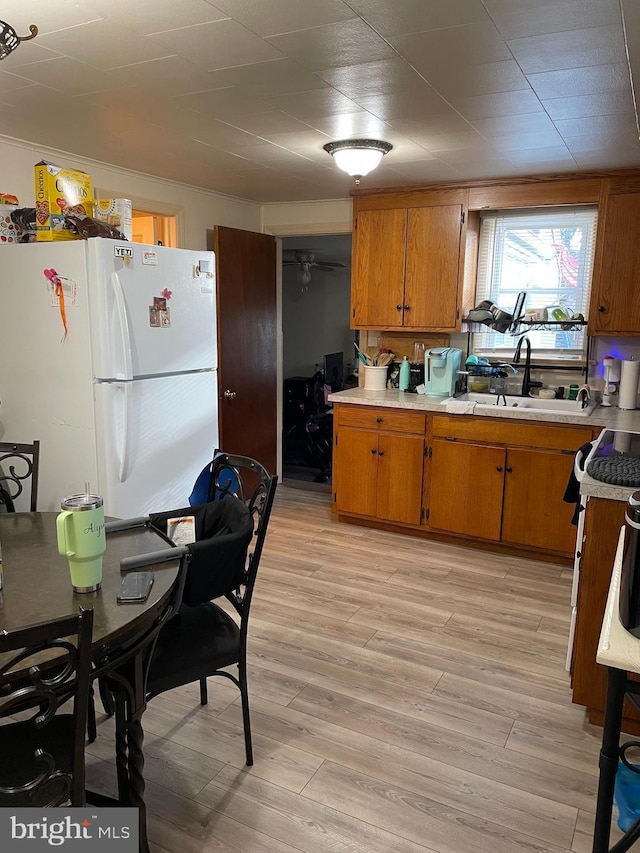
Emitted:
<point x="405" y="374"/>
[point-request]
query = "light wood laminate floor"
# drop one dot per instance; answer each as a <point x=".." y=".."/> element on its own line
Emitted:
<point x="406" y="696"/>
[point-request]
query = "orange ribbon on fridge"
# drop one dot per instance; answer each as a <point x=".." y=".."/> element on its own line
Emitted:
<point x="54" y="278"/>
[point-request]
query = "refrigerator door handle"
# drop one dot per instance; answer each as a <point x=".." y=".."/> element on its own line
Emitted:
<point x="125" y="450"/>
<point x="125" y="335"/>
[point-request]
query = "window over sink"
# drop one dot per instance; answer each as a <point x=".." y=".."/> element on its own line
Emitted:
<point x="548" y="254"/>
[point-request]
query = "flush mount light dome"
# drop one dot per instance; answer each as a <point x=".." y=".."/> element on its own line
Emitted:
<point x="357" y="157"/>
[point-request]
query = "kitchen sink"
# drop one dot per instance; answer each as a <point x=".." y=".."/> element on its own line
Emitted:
<point x="568" y="407"/>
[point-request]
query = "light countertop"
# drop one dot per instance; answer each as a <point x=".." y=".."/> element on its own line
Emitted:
<point x="611" y="417"/>
<point x="617" y="647"/>
<point x="601" y="418"/>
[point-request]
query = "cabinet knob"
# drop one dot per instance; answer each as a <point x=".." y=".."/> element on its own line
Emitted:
<point x="407" y="307"/>
<point x="229" y="395"/>
<point x="381" y="453"/>
<point x="378" y="420"/>
<point x="398" y="307"/>
<point x="498" y="467"/>
<point x="508" y="470"/>
<point x="601" y="309"/>
<point x="374" y="451"/>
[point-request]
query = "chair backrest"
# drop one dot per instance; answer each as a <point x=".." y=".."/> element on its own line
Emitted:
<point x="35" y="687"/>
<point x="241" y="477"/>
<point x="18" y="463"/>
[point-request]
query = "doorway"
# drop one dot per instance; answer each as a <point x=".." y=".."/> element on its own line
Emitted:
<point x="316" y="293"/>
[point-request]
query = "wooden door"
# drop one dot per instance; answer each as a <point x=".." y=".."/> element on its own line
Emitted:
<point x="377" y="283"/>
<point x="400" y="464"/>
<point x="247" y="336"/>
<point x="615" y="295"/>
<point x="467" y="482"/>
<point x="432" y="267"/>
<point x="355" y="471"/>
<point x="534" y="513"/>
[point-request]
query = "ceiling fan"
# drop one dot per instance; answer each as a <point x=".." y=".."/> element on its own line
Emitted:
<point x="305" y="260"/>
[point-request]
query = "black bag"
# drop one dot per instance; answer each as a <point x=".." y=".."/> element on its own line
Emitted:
<point x="218" y="556"/>
<point x="6" y="503"/>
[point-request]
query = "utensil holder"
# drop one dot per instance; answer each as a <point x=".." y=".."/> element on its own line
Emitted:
<point x="375" y="378"/>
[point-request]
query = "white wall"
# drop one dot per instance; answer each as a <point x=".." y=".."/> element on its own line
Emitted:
<point x="312" y="217"/>
<point x="202" y="209"/>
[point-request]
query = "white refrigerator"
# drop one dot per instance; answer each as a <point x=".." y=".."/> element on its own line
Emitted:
<point x="127" y="399"/>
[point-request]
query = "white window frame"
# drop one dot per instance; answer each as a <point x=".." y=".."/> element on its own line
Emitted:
<point x="551" y="343"/>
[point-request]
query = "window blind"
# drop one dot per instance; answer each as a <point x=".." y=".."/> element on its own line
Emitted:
<point x="548" y="254"/>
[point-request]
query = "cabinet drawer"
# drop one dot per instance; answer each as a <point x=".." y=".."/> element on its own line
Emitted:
<point x="392" y="420"/>
<point x="508" y="432"/>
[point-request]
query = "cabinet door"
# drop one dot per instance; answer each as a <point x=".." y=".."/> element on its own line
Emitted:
<point x="377" y="283"/>
<point x="534" y="513"/>
<point x="615" y="297"/>
<point x="400" y="463"/>
<point x="467" y="482"/>
<point x="355" y="469"/>
<point x="432" y="267"/>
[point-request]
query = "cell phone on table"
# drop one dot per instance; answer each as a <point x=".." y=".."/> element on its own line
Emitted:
<point x="135" y="588"/>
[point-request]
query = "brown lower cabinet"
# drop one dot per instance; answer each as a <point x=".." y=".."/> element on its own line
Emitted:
<point x="499" y="491"/>
<point x="603" y="521"/>
<point x="499" y="481"/>
<point x="378" y="461"/>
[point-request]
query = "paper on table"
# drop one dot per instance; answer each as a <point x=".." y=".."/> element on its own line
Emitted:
<point x="182" y="529"/>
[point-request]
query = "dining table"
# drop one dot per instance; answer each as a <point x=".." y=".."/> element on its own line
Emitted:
<point x="37" y="587"/>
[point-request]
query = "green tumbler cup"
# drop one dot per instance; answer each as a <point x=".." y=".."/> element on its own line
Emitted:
<point x="81" y="539"/>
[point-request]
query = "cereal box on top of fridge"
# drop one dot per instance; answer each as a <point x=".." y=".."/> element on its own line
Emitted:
<point x="58" y="192"/>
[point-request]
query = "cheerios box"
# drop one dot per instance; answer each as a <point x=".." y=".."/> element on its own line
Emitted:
<point x="116" y="212"/>
<point x="58" y="192"/>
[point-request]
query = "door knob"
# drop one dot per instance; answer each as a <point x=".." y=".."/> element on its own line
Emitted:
<point x="230" y="395"/>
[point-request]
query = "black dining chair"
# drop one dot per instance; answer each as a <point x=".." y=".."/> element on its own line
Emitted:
<point x="42" y="760"/>
<point x="204" y="639"/>
<point x="19" y="463"/>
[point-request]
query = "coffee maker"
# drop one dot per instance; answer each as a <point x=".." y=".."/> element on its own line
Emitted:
<point x="441" y="367"/>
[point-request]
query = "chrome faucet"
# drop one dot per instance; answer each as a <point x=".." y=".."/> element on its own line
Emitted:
<point x="526" y="379"/>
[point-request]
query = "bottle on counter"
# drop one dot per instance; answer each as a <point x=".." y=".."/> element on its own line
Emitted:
<point x="405" y="374"/>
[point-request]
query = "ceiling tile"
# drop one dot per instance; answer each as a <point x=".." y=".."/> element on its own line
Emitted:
<point x="48" y="17"/>
<point x="319" y="103"/>
<point x="70" y="76"/>
<point x="104" y="44"/>
<point x="580" y="106"/>
<point x="575" y="49"/>
<point x="611" y="125"/>
<point x="420" y="128"/>
<point x="604" y="138"/>
<point x="172" y="75"/>
<point x="536" y="17"/>
<point x="308" y="143"/>
<point x="273" y="17"/>
<point x="220" y="44"/>
<point x="386" y="76"/>
<point x="498" y="104"/>
<point x="350" y="125"/>
<point x="333" y="45"/>
<point x="593" y="80"/>
<point x="403" y="105"/>
<point x="466" y="81"/>
<point x="558" y="155"/>
<point x="474" y="169"/>
<point x="154" y="16"/>
<point x="601" y="158"/>
<point x="395" y="17"/>
<point x="10" y="83"/>
<point x="277" y="77"/>
<point x="523" y="141"/>
<point x="468" y="141"/>
<point x="271" y="121"/>
<point x="474" y="44"/>
<point x="524" y="123"/>
<point x="423" y="172"/>
<point x="28" y="54"/>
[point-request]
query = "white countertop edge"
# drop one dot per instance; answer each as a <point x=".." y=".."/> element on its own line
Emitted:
<point x="617" y="647"/>
<point x="609" y="417"/>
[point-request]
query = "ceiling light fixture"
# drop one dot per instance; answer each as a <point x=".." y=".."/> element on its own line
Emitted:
<point x="357" y="157"/>
<point x="9" y="39"/>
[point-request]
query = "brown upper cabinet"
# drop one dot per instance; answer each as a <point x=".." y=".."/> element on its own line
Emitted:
<point x="407" y="263"/>
<point x="615" y="293"/>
